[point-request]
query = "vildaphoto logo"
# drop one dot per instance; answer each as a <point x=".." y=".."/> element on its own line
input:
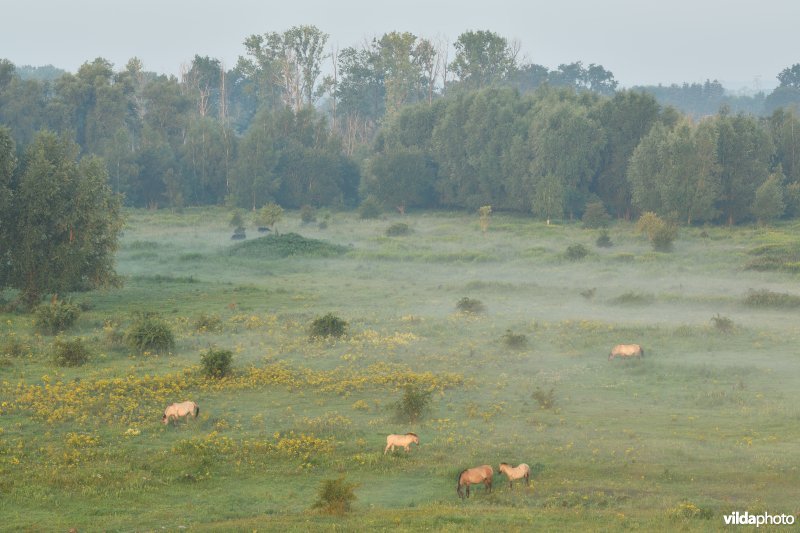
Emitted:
<point x="765" y="519"/>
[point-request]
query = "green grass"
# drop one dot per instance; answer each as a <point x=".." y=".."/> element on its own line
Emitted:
<point x="705" y="424"/>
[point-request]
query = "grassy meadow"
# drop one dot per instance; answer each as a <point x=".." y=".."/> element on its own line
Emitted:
<point x="707" y="423"/>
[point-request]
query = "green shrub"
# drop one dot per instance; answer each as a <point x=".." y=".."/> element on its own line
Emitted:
<point x="413" y="404"/>
<point x="546" y="399"/>
<point x="307" y="214"/>
<point x="515" y="341"/>
<point x="663" y="237"/>
<point x="285" y="245"/>
<point x="206" y="322"/>
<point x="395" y="230"/>
<point x="216" y="363"/>
<point x="470" y="306"/>
<point x="13" y="346"/>
<point x="595" y="216"/>
<point x="767" y="298"/>
<point x="150" y="333"/>
<point x="328" y="325"/>
<point x="336" y="496"/>
<point x="603" y="240"/>
<point x="722" y="323"/>
<point x="70" y="352"/>
<point x="370" y="208"/>
<point x="56" y="316"/>
<point x="576" y="252"/>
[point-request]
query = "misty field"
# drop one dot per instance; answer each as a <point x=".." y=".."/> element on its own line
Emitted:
<point x="707" y="423"/>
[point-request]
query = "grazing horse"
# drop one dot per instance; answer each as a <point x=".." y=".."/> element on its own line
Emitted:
<point x="517" y="472"/>
<point x="400" y="440"/>
<point x="479" y="474"/>
<point x="179" y="410"/>
<point x="625" y="351"/>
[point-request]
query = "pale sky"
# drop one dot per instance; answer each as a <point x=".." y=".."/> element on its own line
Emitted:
<point x="642" y="42"/>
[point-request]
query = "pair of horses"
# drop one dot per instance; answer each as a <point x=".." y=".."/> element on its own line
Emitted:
<point x="483" y="474"/>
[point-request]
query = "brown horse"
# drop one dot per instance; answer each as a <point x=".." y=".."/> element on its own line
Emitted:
<point x="400" y="440"/>
<point x="180" y="410"/>
<point x="479" y="474"/>
<point x="626" y="351"/>
<point x="517" y="472"/>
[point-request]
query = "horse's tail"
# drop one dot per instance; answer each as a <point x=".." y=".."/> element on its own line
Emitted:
<point x="641" y="350"/>
<point x="458" y="483"/>
<point x="196" y="410"/>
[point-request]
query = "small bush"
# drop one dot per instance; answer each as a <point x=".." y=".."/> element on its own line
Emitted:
<point x="70" y="352"/>
<point x="470" y="306"/>
<point x="308" y="214"/>
<point x="663" y="237"/>
<point x="546" y="399"/>
<point x="56" y="316"/>
<point x="369" y="208"/>
<point x="336" y="496"/>
<point x="216" y="363"/>
<point x="595" y="216"/>
<point x="328" y="325"/>
<point x="14" y="347"/>
<point x="237" y="221"/>
<point x="150" y="333"/>
<point x="206" y="322"/>
<point x="722" y="323"/>
<point x="576" y="252"/>
<point x="515" y="341"/>
<point x="767" y="298"/>
<point x="239" y="233"/>
<point x="413" y="404"/>
<point x="589" y="293"/>
<point x="603" y="240"/>
<point x="633" y="298"/>
<point x="395" y="230"/>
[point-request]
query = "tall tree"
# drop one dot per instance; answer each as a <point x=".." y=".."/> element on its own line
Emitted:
<point x="482" y="58"/>
<point x="65" y="220"/>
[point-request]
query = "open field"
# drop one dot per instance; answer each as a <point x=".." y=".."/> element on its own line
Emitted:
<point x="705" y="424"/>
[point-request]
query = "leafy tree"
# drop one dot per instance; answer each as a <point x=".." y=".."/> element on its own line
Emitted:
<point x="482" y="58"/>
<point x="269" y="215"/>
<point x="768" y="203"/>
<point x="402" y="178"/>
<point x="548" y="200"/>
<point x="65" y="222"/>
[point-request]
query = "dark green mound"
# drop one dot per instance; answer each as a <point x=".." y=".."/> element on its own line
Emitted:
<point x="286" y="245"/>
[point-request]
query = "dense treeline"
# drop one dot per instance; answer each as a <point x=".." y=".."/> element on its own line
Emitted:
<point x="399" y="120"/>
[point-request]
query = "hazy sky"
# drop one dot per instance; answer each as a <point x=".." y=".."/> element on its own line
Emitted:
<point x="643" y="42"/>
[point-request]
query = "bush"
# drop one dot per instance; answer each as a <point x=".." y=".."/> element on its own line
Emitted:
<point x="515" y="341"/>
<point x="414" y="403"/>
<point x="546" y="399"/>
<point x="336" y="496"/>
<point x="722" y="323"/>
<point x="633" y="298"/>
<point x="767" y="298"/>
<point x="239" y="233"/>
<point x="328" y="325"/>
<point x="663" y="237"/>
<point x="237" y="221"/>
<point x="595" y="216"/>
<point x="206" y="322"/>
<point x="14" y="346"/>
<point x="395" y="230"/>
<point x="56" y="316"/>
<point x="308" y="214"/>
<point x="150" y="333"/>
<point x="370" y="208"/>
<point x="216" y="363"/>
<point x="70" y="352"/>
<point x="576" y="252"/>
<point x="603" y="240"/>
<point x="470" y="306"/>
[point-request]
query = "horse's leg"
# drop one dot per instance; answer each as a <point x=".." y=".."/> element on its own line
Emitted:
<point x="386" y="449"/>
<point x="467" y="489"/>
<point x="528" y="479"/>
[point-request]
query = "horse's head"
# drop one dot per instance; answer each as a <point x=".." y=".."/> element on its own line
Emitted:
<point x="414" y="438"/>
<point x="501" y="468"/>
<point x="164" y="419"/>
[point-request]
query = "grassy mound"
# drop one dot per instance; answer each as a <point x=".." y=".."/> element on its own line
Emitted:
<point x="286" y="245"/>
<point x="775" y="257"/>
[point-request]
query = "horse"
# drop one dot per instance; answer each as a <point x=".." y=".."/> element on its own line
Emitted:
<point x="401" y="440"/>
<point x="517" y="472"/>
<point x="626" y="351"/>
<point x="479" y="474"/>
<point x="178" y="410"/>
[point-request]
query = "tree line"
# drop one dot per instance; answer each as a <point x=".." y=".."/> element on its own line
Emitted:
<point x="397" y="119"/>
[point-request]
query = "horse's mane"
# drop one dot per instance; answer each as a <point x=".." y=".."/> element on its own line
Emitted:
<point x="414" y="434"/>
<point x="501" y="464"/>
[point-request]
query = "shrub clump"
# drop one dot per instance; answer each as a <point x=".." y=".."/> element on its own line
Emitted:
<point x="546" y="399"/>
<point x="413" y="404"/>
<point x="576" y="252"/>
<point x="470" y="306"/>
<point x="216" y="363"/>
<point x="595" y="216"/>
<point x="603" y="240"/>
<point x="56" y="316"/>
<point x="206" y="322"/>
<point x="768" y="298"/>
<point x="515" y="341"/>
<point x="398" y="229"/>
<point x="336" y="496"/>
<point x="308" y="214"/>
<point x="70" y="352"/>
<point x="369" y="208"/>
<point x="286" y="245"/>
<point x="150" y="333"/>
<point x="633" y="298"/>
<point x="328" y="325"/>
<point x="722" y="323"/>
